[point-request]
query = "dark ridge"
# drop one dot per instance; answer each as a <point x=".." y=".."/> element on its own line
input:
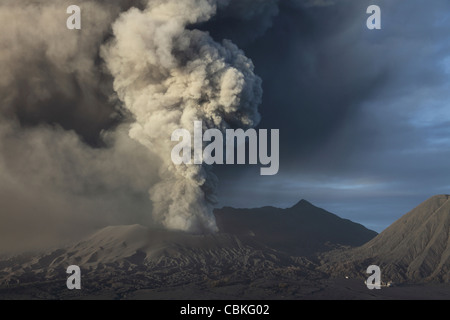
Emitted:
<point x="303" y="229"/>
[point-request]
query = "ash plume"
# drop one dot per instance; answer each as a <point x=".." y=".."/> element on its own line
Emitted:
<point x="168" y="76"/>
<point x="69" y="162"/>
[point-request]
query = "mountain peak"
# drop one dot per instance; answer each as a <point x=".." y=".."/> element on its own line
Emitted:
<point x="302" y="203"/>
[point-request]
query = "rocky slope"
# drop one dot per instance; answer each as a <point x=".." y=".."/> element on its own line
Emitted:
<point x="415" y="248"/>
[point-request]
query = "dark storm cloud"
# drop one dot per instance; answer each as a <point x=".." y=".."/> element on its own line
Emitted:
<point x="315" y="72"/>
<point x="362" y="114"/>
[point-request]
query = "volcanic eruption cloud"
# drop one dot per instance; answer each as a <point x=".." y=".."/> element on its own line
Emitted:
<point x="169" y="76"/>
<point x="86" y="116"/>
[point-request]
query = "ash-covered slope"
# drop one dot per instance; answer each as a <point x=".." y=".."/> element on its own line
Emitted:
<point x="123" y="259"/>
<point x="303" y="229"/>
<point x="255" y="247"/>
<point x="414" y="248"/>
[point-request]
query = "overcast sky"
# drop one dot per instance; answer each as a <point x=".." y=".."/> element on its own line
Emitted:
<point x="364" y="115"/>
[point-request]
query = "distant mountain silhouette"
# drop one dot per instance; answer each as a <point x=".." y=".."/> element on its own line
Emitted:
<point x="303" y="229"/>
<point x="415" y="248"/>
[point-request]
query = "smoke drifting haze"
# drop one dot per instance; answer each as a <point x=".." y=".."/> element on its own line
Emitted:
<point x="55" y="104"/>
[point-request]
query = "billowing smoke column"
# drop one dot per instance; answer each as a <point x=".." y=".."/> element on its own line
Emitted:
<point x="168" y="75"/>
